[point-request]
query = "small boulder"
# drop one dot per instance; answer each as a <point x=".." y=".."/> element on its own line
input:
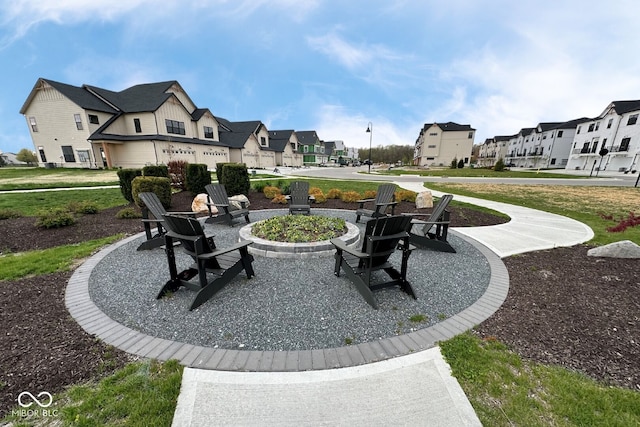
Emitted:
<point x="424" y="199"/>
<point x="199" y="204"/>
<point x="235" y="202"/>
<point x="622" y="249"/>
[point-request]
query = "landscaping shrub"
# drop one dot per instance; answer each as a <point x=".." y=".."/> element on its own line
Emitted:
<point x="320" y="198"/>
<point x="126" y="176"/>
<point x="156" y="170"/>
<point x="197" y="177"/>
<point x="315" y="190"/>
<point x="334" y="193"/>
<point x="259" y="186"/>
<point x="128" y="213"/>
<point x="351" y="196"/>
<point x="178" y="173"/>
<point x="499" y="166"/>
<point x="235" y="179"/>
<point x="405" y="196"/>
<point x="460" y="164"/>
<point x="454" y="163"/>
<point x="8" y="213"/>
<point x="270" y="192"/>
<point x="56" y="218"/>
<point x="285" y="188"/>
<point x="219" y="168"/>
<point x="83" y="207"/>
<point x="280" y="199"/>
<point x="370" y="194"/>
<point x="152" y="184"/>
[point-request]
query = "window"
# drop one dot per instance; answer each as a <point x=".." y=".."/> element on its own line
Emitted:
<point x="632" y="119"/>
<point x="609" y="123"/>
<point x="78" y="121"/>
<point x="431" y="158"/>
<point x="208" y="132"/>
<point x="431" y="146"/>
<point x="433" y="134"/>
<point x="560" y="132"/>
<point x="136" y="124"/>
<point x="34" y="125"/>
<point x="624" y="144"/>
<point x="67" y="153"/>
<point x="591" y="127"/>
<point x="83" y="156"/>
<point x="263" y="141"/>
<point x="93" y="119"/>
<point x="578" y="131"/>
<point x="470" y="135"/>
<point x="174" y="126"/>
<point x="553" y="161"/>
<point x="42" y="155"/>
<point x="597" y="125"/>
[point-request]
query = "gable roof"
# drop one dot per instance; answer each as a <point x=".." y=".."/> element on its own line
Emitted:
<point x="78" y="95"/>
<point x="279" y="139"/>
<point x="622" y="107"/>
<point x="139" y="98"/>
<point x="308" y="137"/>
<point x="448" y="127"/>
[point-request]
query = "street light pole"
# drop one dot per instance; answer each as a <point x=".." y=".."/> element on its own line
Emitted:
<point x="370" y="132"/>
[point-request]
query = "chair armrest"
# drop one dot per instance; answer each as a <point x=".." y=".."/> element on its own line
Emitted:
<point x="190" y="213"/>
<point x="341" y="245"/>
<point x="365" y="200"/>
<point x="387" y="204"/>
<point x="400" y="235"/>
<point x="222" y="205"/>
<point x="223" y="251"/>
<point x="152" y="220"/>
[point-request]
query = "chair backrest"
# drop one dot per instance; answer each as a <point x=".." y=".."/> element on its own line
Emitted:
<point x="153" y="204"/>
<point x="299" y="193"/>
<point x="437" y="212"/>
<point x="382" y="234"/>
<point x="189" y="231"/>
<point x="217" y="193"/>
<point x="385" y="193"/>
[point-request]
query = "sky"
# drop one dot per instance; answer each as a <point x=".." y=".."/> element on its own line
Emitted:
<point x="334" y="66"/>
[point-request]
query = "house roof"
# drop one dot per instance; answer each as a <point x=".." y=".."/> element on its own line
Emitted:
<point x="622" y="107"/>
<point x="308" y="137"/>
<point x="572" y="124"/>
<point x="278" y="139"/>
<point x="545" y="126"/>
<point x="139" y="98"/>
<point x="448" y="127"/>
<point x="78" y="95"/>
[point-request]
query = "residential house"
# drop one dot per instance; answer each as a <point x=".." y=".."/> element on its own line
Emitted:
<point x="616" y="130"/>
<point x="438" y="144"/>
<point x="285" y="143"/>
<point x="493" y="149"/>
<point x="90" y="127"/>
<point x="248" y="143"/>
<point x="313" y="151"/>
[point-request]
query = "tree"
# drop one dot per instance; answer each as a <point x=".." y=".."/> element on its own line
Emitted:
<point x="499" y="166"/>
<point x="26" y="156"/>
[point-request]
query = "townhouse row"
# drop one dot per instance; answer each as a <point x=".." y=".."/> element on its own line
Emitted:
<point x="153" y="124"/>
<point x="610" y="141"/>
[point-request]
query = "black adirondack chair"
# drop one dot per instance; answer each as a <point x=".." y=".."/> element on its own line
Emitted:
<point x="223" y="264"/>
<point x="153" y="205"/>
<point x="385" y="198"/>
<point x="381" y="239"/>
<point x="299" y="202"/>
<point x="218" y="197"/>
<point x="432" y="232"/>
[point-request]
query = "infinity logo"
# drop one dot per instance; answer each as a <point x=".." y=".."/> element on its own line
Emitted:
<point x="35" y="399"/>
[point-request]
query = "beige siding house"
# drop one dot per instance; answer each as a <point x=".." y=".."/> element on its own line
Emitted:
<point x="439" y="143"/>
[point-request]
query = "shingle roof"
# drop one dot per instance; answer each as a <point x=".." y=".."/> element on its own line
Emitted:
<point x="138" y="98"/>
<point x="449" y="127"/>
<point x="622" y="107"/>
<point x="78" y="95"/>
<point x="307" y="137"/>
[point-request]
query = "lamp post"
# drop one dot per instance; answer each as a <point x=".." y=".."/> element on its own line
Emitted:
<point x="370" y="132"/>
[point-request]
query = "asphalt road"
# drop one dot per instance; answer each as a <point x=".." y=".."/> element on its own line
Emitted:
<point x="605" y="179"/>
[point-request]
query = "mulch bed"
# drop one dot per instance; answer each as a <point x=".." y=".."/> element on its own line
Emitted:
<point x="563" y="308"/>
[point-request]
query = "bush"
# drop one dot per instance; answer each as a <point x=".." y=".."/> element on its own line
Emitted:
<point x="156" y="170"/>
<point x="320" y="198"/>
<point x="197" y="178"/>
<point x="83" y="207"/>
<point x="334" y="193"/>
<point x="259" y="186"/>
<point x="55" y="218"/>
<point x="271" y="192"/>
<point x="219" y="168"/>
<point x="279" y="198"/>
<point x="315" y="191"/>
<point x="350" y="196"/>
<point x="460" y="164"/>
<point x="370" y="194"/>
<point x="499" y="166"/>
<point x="8" y="213"/>
<point x="405" y="196"/>
<point x="235" y="179"/>
<point x="178" y="173"/>
<point x="128" y="213"/>
<point x="285" y="188"/>
<point x="126" y="176"/>
<point x="454" y="163"/>
<point x="152" y="184"/>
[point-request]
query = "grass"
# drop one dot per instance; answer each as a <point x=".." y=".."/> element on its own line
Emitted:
<point x="27" y="178"/>
<point x="585" y="204"/>
<point x="299" y="228"/>
<point x="34" y="204"/>
<point x="505" y="390"/>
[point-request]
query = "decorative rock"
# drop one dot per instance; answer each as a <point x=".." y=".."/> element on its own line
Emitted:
<point x="235" y="202"/>
<point x="424" y="199"/>
<point x="199" y="204"/>
<point x="622" y="249"/>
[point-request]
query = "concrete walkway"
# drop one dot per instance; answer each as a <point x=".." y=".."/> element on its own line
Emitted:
<point x="400" y="380"/>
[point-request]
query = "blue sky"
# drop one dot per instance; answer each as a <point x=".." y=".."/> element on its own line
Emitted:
<point x="334" y="66"/>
